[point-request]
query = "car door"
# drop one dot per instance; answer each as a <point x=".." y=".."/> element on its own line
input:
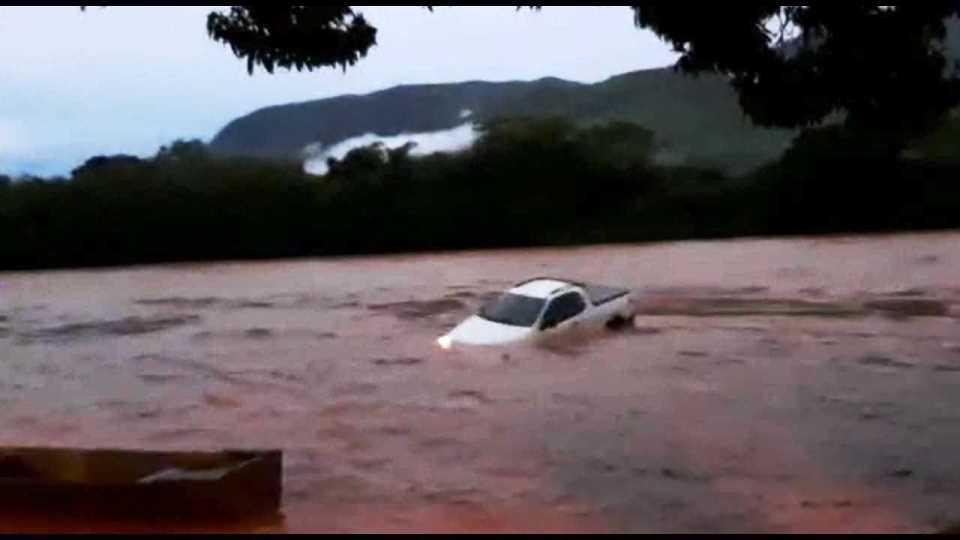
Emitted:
<point x="563" y="312"/>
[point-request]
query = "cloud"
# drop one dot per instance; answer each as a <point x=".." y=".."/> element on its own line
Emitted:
<point x="429" y="142"/>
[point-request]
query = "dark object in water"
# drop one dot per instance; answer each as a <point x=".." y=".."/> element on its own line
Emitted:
<point x="618" y="323"/>
<point x="403" y="361"/>
<point x="883" y="361"/>
<point x="902" y="308"/>
<point x="65" y="484"/>
<point x="258" y="333"/>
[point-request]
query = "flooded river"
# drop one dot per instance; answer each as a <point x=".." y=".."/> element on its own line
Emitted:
<point x="766" y="385"/>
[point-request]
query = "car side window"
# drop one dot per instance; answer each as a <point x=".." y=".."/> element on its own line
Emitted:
<point x="562" y="308"/>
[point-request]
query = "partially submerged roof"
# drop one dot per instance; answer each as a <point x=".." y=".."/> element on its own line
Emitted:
<point x="540" y="287"/>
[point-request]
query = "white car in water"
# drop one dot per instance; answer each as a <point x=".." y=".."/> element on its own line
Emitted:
<point x="539" y="307"/>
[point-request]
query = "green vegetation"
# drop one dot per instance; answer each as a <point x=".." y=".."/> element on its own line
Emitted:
<point x="532" y="181"/>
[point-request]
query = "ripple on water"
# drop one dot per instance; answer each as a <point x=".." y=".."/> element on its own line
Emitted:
<point x="418" y="309"/>
<point x="126" y="326"/>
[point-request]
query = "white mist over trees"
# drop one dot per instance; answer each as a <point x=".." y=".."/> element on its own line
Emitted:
<point x="445" y="140"/>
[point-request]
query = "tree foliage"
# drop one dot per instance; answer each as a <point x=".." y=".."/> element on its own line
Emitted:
<point x="287" y="36"/>
<point x="884" y="67"/>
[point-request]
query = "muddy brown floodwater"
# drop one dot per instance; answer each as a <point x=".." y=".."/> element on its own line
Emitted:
<point x="766" y="385"/>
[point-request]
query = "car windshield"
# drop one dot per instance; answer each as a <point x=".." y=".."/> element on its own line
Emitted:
<point x="513" y="309"/>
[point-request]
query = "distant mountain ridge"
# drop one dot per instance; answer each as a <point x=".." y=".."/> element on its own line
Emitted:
<point x="697" y="118"/>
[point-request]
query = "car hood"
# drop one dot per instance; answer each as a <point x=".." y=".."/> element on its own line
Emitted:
<point x="479" y="331"/>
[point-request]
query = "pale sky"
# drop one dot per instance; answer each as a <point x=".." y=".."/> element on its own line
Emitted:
<point x="129" y="79"/>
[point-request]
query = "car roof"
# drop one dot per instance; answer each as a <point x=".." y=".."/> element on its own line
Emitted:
<point x="540" y="287"/>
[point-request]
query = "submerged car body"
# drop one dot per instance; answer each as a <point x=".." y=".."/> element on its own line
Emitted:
<point x="539" y="307"/>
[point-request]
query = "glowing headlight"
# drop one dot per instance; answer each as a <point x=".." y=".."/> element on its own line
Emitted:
<point x="444" y="342"/>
